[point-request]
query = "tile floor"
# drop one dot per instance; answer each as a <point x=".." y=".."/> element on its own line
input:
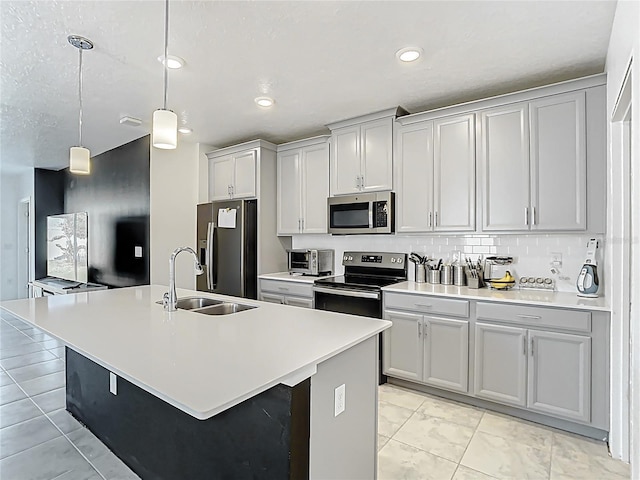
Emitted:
<point x="420" y="436"/>
<point x="426" y="437"/>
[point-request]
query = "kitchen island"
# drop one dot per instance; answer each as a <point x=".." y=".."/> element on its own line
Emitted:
<point x="253" y="394"/>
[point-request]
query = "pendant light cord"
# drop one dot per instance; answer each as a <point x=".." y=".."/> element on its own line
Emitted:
<point x="80" y="97"/>
<point x="166" y="47"/>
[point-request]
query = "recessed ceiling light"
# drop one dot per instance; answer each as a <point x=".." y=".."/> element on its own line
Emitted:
<point x="185" y="130"/>
<point x="409" y="54"/>
<point x="265" y="102"/>
<point x="172" y="61"/>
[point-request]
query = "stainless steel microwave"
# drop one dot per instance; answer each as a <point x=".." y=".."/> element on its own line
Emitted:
<point x="366" y="213"/>
<point x="310" y="261"/>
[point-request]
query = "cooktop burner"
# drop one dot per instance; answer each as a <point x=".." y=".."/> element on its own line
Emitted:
<point x="357" y="281"/>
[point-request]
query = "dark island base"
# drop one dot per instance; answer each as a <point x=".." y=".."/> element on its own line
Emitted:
<point x="264" y="437"/>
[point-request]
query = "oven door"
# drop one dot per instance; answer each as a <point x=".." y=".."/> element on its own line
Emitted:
<point x="299" y="261"/>
<point x="355" y="302"/>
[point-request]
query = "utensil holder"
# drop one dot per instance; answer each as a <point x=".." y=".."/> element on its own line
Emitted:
<point x="420" y="273"/>
<point x="474" y="282"/>
<point x="459" y="277"/>
<point x="446" y="277"/>
<point x="433" y="276"/>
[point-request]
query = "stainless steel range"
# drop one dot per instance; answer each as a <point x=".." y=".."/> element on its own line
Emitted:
<point x="359" y="290"/>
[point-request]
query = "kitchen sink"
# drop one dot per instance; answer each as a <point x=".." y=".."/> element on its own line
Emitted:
<point x="224" y="309"/>
<point x="191" y="303"/>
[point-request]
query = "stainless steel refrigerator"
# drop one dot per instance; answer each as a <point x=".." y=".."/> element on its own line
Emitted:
<point x="228" y="247"/>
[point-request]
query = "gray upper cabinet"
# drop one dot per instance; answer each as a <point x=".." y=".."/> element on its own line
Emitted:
<point x="505" y="167"/>
<point x="303" y="186"/>
<point x="559" y="380"/>
<point x="533" y="163"/>
<point x="558" y="162"/>
<point x="435" y="175"/>
<point x="233" y="175"/>
<point x="362" y="153"/>
<point x="501" y="364"/>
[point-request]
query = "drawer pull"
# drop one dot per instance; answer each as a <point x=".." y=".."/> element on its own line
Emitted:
<point x="422" y="305"/>
<point x="531" y="317"/>
<point x="284" y="289"/>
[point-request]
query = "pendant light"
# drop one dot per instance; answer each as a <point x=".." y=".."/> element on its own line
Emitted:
<point x="79" y="157"/>
<point x="165" y="123"/>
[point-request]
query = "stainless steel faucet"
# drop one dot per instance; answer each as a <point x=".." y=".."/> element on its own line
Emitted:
<point x="170" y="298"/>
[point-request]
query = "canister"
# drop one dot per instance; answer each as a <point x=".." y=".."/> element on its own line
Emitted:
<point x="433" y="276"/>
<point x="446" y="275"/>
<point x="420" y="273"/>
<point x="459" y="277"/>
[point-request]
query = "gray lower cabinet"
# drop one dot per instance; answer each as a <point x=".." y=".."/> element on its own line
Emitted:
<point x="297" y="294"/>
<point x="548" y="372"/>
<point x="427" y="349"/>
<point x="501" y="364"/>
<point x="559" y="380"/>
<point x="403" y="346"/>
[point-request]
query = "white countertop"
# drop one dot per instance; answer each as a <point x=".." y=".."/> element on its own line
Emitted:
<point x="288" y="277"/>
<point x="201" y="364"/>
<point x="529" y="297"/>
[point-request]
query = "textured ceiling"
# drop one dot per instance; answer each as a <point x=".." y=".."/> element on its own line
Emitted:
<point x="321" y="61"/>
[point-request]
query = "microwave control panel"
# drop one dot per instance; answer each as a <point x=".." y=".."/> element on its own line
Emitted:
<point x="381" y="212"/>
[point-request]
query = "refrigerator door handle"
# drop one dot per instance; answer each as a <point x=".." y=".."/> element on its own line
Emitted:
<point x="211" y="228"/>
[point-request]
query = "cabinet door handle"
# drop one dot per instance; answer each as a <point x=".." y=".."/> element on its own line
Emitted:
<point x="526" y="215"/>
<point x="435" y="219"/>
<point x="532" y="347"/>
<point x="358" y="182"/>
<point x="524" y="346"/>
<point x="531" y="317"/>
<point x="429" y="219"/>
<point x="299" y="225"/>
<point x="361" y="182"/>
<point x="302" y="222"/>
<point x="419" y="329"/>
<point x="534" y="216"/>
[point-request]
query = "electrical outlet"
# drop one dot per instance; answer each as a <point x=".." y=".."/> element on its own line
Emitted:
<point x="556" y="259"/>
<point x="137" y="252"/>
<point x="339" y="400"/>
<point x="113" y="383"/>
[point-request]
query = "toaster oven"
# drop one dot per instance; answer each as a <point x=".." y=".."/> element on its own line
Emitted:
<point x="309" y="261"/>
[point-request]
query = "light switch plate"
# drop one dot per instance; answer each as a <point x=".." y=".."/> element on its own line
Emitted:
<point x="137" y="252"/>
<point x="113" y="383"/>
<point x="339" y="399"/>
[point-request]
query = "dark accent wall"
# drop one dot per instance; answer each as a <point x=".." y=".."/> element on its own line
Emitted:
<point x="48" y="191"/>
<point x="116" y="198"/>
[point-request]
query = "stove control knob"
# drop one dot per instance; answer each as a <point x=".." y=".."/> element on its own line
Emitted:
<point x="539" y="280"/>
<point x="350" y="258"/>
<point x="393" y="259"/>
<point x="399" y="259"/>
<point x="345" y="258"/>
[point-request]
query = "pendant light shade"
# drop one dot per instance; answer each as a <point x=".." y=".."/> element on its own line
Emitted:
<point x="165" y="129"/>
<point x="80" y="157"/>
<point x="164" y="133"/>
<point x="79" y="160"/>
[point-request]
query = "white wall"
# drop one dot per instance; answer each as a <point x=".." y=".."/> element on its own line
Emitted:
<point x="532" y="253"/>
<point x="174" y="196"/>
<point x="15" y="185"/>
<point x="623" y="46"/>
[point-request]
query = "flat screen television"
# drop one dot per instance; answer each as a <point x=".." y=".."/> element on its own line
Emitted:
<point x="67" y="246"/>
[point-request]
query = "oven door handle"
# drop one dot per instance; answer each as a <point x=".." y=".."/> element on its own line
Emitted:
<point x="347" y="293"/>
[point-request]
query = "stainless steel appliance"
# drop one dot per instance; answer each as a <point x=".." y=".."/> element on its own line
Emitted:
<point x="309" y="261"/>
<point x="228" y="247"/>
<point x="359" y="290"/>
<point x="365" y="213"/>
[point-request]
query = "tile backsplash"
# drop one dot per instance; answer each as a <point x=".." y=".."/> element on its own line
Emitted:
<point x="531" y="252"/>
